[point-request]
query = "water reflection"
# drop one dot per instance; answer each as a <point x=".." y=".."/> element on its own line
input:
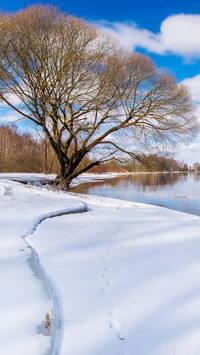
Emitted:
<point x="197" y="176"/>
<point x="179" y="191"/>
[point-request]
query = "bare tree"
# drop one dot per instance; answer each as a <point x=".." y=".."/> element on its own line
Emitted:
<point x="88" y="95"/>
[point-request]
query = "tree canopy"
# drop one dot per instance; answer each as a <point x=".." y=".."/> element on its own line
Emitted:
<point x="86" y="93"/>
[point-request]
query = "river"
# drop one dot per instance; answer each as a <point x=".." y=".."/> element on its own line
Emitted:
<point x="178" y="191"/>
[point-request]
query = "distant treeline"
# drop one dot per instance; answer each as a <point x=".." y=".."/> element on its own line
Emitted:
<point x="21" y="152"/>
<point x="152" y="162"/>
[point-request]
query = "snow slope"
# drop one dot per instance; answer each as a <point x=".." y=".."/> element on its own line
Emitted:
<point x="127" y="275"/>
<point x="24" y="298"/>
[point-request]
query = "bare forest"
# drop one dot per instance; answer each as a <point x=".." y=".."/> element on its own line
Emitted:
<point x="21" y="152"/>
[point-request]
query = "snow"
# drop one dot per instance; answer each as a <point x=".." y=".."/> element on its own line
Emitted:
<point x="25" y="176"/>
<point x="86" y="177"/>
<point x="121" y="277"/>
<point x="24" y="300"/>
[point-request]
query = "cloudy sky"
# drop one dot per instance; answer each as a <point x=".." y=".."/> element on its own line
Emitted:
<point x="169" y="32"/>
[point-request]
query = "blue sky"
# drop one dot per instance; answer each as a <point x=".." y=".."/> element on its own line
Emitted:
<point x="169" y="32"/>
<point x="144" y="14"/>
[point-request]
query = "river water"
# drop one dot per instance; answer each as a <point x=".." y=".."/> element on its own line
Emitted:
<point x="178" y="191"/>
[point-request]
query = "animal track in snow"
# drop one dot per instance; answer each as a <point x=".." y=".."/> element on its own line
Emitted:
<point x="105" y="274"/>
<point x="105" y="289"/>
<point x="108" y="252"/>
<point x="114" y="313"/>
<point x="120" y="336"/>
<point x="109" y="282"/>
<point x="115" y="324"/>
<point x="105" y="256"/>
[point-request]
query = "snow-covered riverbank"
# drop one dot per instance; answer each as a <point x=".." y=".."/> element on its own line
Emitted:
<point x="25" y="298"/>
<point x="126" y="275"/>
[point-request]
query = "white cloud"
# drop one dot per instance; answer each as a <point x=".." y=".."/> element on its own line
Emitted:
<point x="132" y="37"/>
<point x="13" y="99"/>
<point x="194" y="86"/>
<point x="10" y="117"/>
<point x="189" y="153"/>
<point x="179" y="34"/>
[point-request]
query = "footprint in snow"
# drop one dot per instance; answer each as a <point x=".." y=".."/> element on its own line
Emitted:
<point x="114" y="313"/>
<point x="120" y="336"/>
<point x="109" y="251"/>
<point x="105" y="289"/>
<point x="105" y="272"/>
<point x="115" y="324"/>
<point x="109" y="282"/>
<point x="105" y="256"/>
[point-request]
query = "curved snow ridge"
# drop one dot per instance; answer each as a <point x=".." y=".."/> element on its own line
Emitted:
<point x="2" y="191"/>
<point x="47" y="280"/>
<point x="53" y="214"/>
